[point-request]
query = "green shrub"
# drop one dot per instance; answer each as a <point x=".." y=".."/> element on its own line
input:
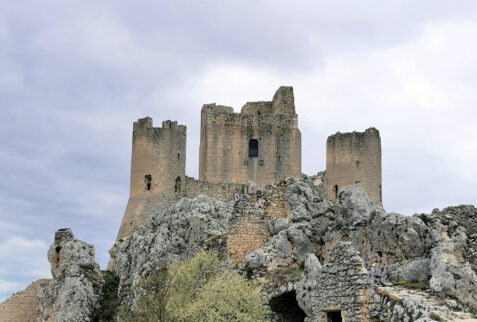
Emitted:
<point x="436" y="317"/>
<point x="196" y="290"/>
<point x="109" y="304"/>
<point x="228" y="297"/>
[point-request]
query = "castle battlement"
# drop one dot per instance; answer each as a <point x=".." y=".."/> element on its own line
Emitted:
<point x="254" y="148"/>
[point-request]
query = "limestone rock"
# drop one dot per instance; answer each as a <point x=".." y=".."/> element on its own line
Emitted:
<point x="77" y="285"/>
<point x="301" y="243"/>
<point x="278" y="225"/>
<point x="413" y="271"/>
<point x="345" y="235"/>
<point x="172" y="234"/>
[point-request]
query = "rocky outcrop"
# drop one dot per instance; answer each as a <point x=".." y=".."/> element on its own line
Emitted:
<point x="327" y="257"/>
<point x="407" y="249"/>
<point x="77" y="285"/>
<point x="172" y="234"/>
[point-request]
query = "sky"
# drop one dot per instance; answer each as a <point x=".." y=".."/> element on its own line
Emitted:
<point x="75" y="75"/>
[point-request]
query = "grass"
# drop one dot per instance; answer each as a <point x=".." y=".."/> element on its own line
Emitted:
<point x="415" y="286"/>
<point x="436" y="317"/>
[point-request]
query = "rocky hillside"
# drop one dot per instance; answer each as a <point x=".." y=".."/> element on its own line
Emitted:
<point x="325" y="257"/>
<point x="319" y="261"/>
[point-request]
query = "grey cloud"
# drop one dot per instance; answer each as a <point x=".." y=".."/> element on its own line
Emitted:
<point x="74" y="76"/>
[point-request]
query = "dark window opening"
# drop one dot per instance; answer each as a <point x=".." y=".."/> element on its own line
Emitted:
<point x="380" y="194"/>
<point x="259" y="113"/>
<point x="148" y="181"/>
<point x="253" y="148"/>
<point x="178" y="156"/>
<point x="58" y="249"/>
<point x="335" y="190"/>
<point x="334" y="316"/>
<point x="286" y="309"/>
<point x="357" y="163"/>
<point x="177" y="187"/>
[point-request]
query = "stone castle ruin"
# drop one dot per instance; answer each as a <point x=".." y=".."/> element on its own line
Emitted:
<point x="260" y="145"/>
<point x="321" y="247"/>
<point x="239" y="152"/>
<point x="354" y="158"/>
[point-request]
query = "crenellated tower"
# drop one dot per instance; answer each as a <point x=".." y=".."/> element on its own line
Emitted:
<point x="157" y="169"/>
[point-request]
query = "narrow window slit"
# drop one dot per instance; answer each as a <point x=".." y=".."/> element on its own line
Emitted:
<point x="253" y="148"/>
<point x="148" y="181"/>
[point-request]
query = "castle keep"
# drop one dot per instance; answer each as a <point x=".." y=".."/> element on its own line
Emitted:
<point x="260" y="145"/>
<point x="240" y="154"/>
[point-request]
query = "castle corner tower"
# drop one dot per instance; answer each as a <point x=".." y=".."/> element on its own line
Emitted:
<point x="157" y="170"/>
<point x="354" y="158"/>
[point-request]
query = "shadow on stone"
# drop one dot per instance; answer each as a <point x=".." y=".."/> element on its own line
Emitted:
<point x="286" y="308"/>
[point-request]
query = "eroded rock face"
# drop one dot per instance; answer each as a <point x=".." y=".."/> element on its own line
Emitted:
<point x="77" y="285"/>
<point x="173" y="234"/>
<point x="416" y="248"/>
<point x="316" y="234"/>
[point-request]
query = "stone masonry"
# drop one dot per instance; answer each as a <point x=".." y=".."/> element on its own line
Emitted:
<point x="240" y="154"/>
<point x="260" y="145"/>
<point x="157" y="169"/>
<point x="354" y="158"/>
<point x="22" y="305"/>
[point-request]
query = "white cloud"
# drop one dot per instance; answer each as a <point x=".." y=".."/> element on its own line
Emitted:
<point x="418" y="94"/>
<point x="24" y="260"/>
<point x="75" y="75"/>
<point x="8" y="288"/>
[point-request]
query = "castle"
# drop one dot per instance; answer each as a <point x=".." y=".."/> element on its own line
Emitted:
<point x="240" y="153"/>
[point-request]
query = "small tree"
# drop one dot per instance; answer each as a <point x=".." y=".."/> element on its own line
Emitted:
<point x="196" y="290"/>
<point x="228" y="297"/>
<point x="153" y="295"/>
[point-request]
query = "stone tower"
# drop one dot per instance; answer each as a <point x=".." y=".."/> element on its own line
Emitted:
<point x="354" y="158"/>
<point x="259" y="145"/>
<point x="157" y="170"/>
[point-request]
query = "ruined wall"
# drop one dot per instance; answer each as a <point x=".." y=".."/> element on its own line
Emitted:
<point x="354" y="158"/>
<point x="157" y="170"/>
<point x="250" y="233"/>
<point x="225" y="141"/>
<point x="339" y="290"/>
<point x="21" y="306"/>
<point x="219" y="191"/>
<point x="250" y="229"/>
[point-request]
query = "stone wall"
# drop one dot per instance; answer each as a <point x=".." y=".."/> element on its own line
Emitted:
<point x="219" y="191"/>
<point x="340" y="288"/>
<point x="21" y="306"/>
<point x="226" y="137"/>
<point x="250" y="233"/>
<point x="254" y="214"/>
<point x="354" y="158"/>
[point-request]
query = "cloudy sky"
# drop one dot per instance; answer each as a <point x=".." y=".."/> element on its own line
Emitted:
<point x="75" y="74"/>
